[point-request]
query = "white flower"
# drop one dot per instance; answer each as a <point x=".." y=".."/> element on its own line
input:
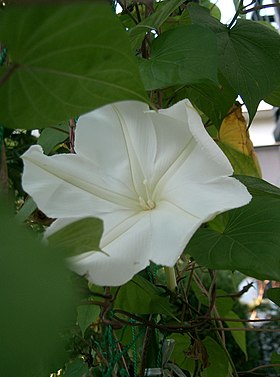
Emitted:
<point x="152" y="177"/>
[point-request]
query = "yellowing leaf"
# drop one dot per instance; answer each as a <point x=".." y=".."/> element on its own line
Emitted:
<point x="235" y="141"/>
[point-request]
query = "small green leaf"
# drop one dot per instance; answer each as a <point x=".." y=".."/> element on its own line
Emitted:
<point x="274" y="295"/>
<point x="142" y="297"/>
<point x="249" y="241"/>
<point x="224" y="304"/>
<point x="87" y="314"/>
<point x="214" y="101"/>
<point x="241" y="163"/>
<point x="52" y="136"/>
<point x="275" y="359"/>
<point x="178" y="57"/>
<point x="152" y="22"/>
<point x="76" y="368"/>
<point x="26" y="210"/>
<point x="179" y="354"/>
<point x="217" y="359"/>
<point x="79" y="237"/>
<point x="64" y="62"/>
<point x="238" y="335"/>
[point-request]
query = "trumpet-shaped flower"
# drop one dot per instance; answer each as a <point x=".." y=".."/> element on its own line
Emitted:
<point x="152" y="177"/>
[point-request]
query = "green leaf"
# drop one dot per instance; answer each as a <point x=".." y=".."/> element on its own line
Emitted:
<point x="81" y="236"/>
<point x="217" y="359"/>
<point x="179" y="354"/>
<point x="238" y="335"/>
<point x="223" y="304"/>
<point x="178" y="57"/>
<point x="214" y="101"/>
<point x="152" y="22"/>
<point x="26" y="210"/>
<point x="244" y="59"/>
<point x="251" y="70"/>
<point x="37" y="302"/>
<point x="241" y="163"/>
<point x="76" y="368"/>
<point x="87" y="314"/>
<point x="274" y="295"/>
<point x="142" y="297"/>
<point x="64" y="63"/>
<point x="274" y="97"/>
<point x="248" y="240"/>
<point x="275" y="359"/>
<point x="259" y="187"/>
<point x="52" y="136"/>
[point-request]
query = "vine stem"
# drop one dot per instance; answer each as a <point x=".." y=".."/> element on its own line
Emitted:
<point x="170" y="278"/>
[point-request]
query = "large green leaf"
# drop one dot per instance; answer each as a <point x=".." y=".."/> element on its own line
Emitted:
<point x="36" y="303"/>
<point x="178" y="57"/>
<point x="247" y="239"/>
<point x="64" y="62"/>
<point x="248" y="56"/>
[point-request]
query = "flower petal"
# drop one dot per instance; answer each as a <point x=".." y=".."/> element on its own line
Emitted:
<point x="184" y="112"/>
<point x="171" y="228"/>
<point x="70" y="186"/>
<point x="126" y="252"/>
<point x="119" y="138"/>
<point x="201" y="187"/>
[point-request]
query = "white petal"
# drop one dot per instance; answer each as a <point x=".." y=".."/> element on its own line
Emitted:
<point x="197" y="190"/>
<point x="121" y="140"/>
<point x="171" y="229"/>
<point x="127" y="252"/>
<point x="159" y="235"/>
<point x="70" y="186"/>
<point x="173" y="141"/>
<point x="184" y="112"/>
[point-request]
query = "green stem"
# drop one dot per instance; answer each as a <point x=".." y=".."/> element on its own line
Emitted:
<point x="170" y="278"/>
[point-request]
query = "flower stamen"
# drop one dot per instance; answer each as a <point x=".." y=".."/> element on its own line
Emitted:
<point x="147" y="204"/>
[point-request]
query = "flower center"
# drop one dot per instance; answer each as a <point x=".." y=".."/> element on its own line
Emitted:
<point x="146" y="203"/>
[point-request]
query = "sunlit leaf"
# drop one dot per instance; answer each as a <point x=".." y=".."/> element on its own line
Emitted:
<point x="235" y="141"/>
